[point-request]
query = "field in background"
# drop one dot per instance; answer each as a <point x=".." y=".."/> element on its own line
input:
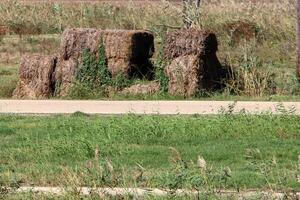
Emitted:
<point x="257" y="40"/>
<point x="213" y="152"/>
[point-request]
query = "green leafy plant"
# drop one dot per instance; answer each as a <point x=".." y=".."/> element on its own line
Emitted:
<point x="93" y="77"/>
<point x="93" y="72"/>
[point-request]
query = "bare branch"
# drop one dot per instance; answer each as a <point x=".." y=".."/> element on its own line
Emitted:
<point x="198" y="3"/>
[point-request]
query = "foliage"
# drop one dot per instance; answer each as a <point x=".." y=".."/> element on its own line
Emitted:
<point x="8" y="81"/>
<point x="93" y="72"/>
<point x="93" y="77"/>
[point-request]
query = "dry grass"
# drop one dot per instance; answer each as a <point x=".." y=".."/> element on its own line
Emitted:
<point x="260" y="49"/>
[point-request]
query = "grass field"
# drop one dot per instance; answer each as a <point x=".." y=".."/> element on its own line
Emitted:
<point x="241" y="152"/>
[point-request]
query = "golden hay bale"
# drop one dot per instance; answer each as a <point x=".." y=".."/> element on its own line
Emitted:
<point x="35" y="77"/>
<point x="194" y="65"/>
<point x="126" y="51"/>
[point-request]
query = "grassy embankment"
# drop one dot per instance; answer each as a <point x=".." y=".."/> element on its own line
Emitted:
<point x="256" y="39"/>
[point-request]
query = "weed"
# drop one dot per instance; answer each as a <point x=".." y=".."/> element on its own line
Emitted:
<point x="8" y="82"/>
<point x="93" y="72"/>
<point x="250" y="77"/>
<point x="159" y="67"/>
<point x="93" y="77"/>
<point x="121" y="81"/>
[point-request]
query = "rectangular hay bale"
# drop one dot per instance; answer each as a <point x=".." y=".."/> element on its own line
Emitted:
<point x="35" y="77"/>
<point x="194" y="65"/>
<point x="189" y="42"/>
<point x="126" y="51"/>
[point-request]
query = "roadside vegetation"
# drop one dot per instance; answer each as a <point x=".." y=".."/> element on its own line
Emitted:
<point x="256" y="40"/>
<point x="75" y="196"/>
<point x="236" y="152"/>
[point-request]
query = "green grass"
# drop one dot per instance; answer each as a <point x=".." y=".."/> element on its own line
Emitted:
<point x="8" y="80"/>
<point x="242" y="152"/>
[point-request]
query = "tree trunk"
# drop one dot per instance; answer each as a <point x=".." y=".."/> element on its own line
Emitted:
<point x="298" y="39"/>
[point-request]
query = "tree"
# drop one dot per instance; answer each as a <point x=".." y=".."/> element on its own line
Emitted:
<point x="298" y="39"/>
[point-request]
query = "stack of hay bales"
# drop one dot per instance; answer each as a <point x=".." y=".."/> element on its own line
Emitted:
<point x="36" y="77"/>
<point x="126" y="52"/>
<point x="194" y="65"/>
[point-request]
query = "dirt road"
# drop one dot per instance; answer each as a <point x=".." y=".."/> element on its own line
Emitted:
<point x="144" y="107"/>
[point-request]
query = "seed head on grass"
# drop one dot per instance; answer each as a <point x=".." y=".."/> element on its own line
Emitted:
<point x="96" y="154"/>
<point x="110" y="166"/>
<point x="227" y="172"/>
<point x="201" y="163"/>
<point x="139" y="173"/>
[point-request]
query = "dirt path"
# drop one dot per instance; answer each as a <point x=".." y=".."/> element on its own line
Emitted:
<point x="141" y="192"/>
<point x="144" y="107"/>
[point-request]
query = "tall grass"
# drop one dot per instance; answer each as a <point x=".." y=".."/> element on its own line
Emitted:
<point x="257" y="39"/>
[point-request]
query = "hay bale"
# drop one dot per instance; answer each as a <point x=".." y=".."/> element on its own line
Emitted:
<point x="74" y="41"/>
<point x="142" y="89"/>
<point x="241" y="30"/>
<point x="194" y="65"/>
<point x="126" y="51"/>
<point x="184" y="75"/>
<point x="64" y="74"/>
<point x="190" y="42"/>
<point x="35" y="77"/>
